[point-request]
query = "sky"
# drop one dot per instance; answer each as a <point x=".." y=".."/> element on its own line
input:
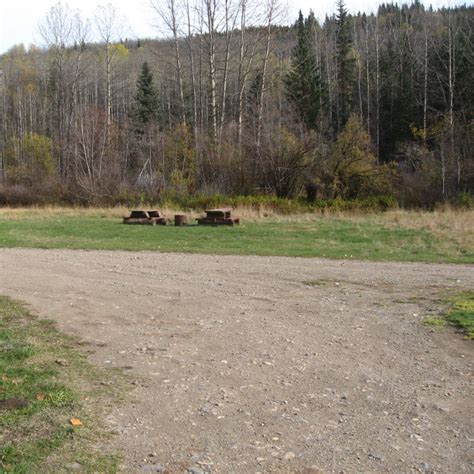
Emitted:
<point x="19" y="19"/>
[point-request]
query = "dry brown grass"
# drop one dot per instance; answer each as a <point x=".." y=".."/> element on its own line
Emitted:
<point x="47" y="212"/>
<point x="245" y="213"/>
<point x="445" y="223"/>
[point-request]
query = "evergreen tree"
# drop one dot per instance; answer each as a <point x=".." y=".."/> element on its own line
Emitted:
<point x="303" y="82"/>
<point x="254" y="93"/>
<point x="146" y="107"/>
<point x="345" y="65"/>
<point x="398" y="111"/>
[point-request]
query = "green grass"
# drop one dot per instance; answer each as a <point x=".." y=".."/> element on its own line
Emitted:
<point x="319" y="237"/>
<point x="40" y="368"/>
<point x="434" y="322"/>
<point x="461" y="313"/>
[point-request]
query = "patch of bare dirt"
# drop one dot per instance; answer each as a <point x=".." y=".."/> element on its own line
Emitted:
<point x="238" y="366"/>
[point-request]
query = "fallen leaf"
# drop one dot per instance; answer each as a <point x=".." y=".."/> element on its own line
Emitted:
<point x="75" y="422"/>
<point x="40" y="396"/>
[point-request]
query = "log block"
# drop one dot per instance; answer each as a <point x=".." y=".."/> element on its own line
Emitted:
<point x="180" y="219"/>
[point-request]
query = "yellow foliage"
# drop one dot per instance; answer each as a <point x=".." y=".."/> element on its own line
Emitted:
<point x="180" y="157"/>
<point x="118" y="51"/>
<point x="352" y="168"/>
<point x="29" y="158"/>
<point x="431" y="132"/>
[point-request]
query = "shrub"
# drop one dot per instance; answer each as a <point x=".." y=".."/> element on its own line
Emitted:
<point x="464" y="201"/>
<point x="284" y="163"/>
<point x="350" y="170"/>
<point x="28" y="159"/>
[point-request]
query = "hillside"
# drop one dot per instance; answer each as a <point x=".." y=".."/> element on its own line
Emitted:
<point x="233" y="103"/>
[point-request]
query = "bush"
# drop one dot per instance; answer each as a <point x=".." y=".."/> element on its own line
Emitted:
<point x="53" y="193"/>
<point x="350" y="169"/>
<point x="284" y="163"/>
<point x="48" y="192"/>
<point x="17" y="196"/>
<point x="282" y="205"/>
<point x="311" y="189"/>
<point x="464" y="201"/>
<point x="369" y="204"/>
<point x="28" y="160"/>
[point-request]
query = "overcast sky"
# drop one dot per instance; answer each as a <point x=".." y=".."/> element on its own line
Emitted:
<point x="19" y="18"/>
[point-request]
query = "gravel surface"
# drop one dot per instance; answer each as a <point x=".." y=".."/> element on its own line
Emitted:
<point x="239" y="366"/>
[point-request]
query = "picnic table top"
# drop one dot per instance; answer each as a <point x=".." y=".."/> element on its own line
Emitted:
<point x="220" y="209"/>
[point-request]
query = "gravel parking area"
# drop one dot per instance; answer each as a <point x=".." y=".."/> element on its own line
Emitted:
<point x="256" y="364"/>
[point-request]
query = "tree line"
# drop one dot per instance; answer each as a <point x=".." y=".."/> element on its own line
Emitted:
<point x="230" y="101"/>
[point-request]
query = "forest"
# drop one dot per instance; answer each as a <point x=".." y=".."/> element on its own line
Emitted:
<point x="228" y="100"/>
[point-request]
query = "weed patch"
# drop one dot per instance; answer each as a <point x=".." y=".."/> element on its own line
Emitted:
<point x="434" y="322"/>
<point x="461" y="313"/>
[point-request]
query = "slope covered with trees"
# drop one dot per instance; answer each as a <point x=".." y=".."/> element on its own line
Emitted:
<point x="233" y="102"/>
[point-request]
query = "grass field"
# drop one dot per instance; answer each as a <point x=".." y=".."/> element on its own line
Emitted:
<point x="44" y="383"/>
<point x="392" y="236"/>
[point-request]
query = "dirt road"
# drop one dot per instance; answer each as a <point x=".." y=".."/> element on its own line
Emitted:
<point x="239" y="366"/>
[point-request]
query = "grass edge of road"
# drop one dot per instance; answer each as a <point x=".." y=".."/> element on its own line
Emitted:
<point x="52" y="400"/>
<point x="459" y="314"/>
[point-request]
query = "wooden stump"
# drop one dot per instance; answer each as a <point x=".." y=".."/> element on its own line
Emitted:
<point x="180" y="219"/>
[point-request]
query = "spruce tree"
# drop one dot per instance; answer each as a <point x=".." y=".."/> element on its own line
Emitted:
<point x="345" y="65"/>
<point x="303" y="82"/>
<point x="146" y="107"/>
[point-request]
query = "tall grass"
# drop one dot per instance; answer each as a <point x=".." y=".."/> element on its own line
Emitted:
<point x="444" y="223"/>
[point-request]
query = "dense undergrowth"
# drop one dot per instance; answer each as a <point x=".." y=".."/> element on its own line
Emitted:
<point x="19" y="196"/>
